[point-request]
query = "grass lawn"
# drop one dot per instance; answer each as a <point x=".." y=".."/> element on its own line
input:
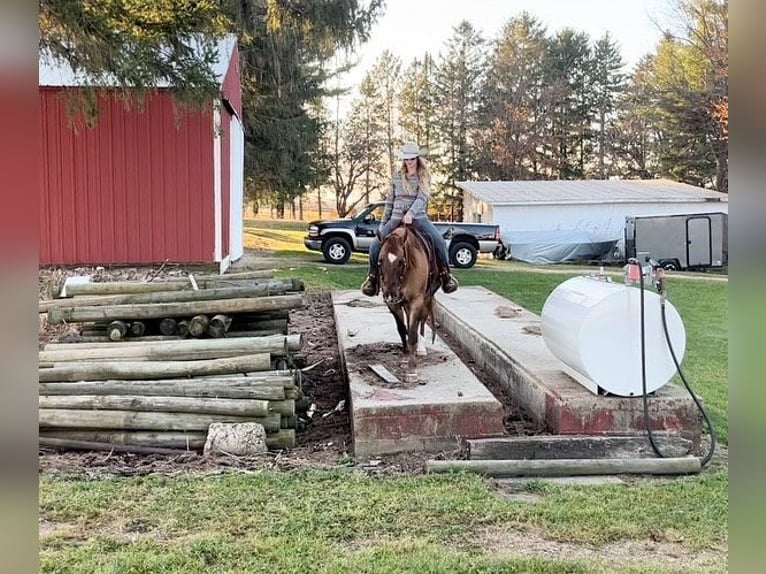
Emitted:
<point x="346" y="521"/>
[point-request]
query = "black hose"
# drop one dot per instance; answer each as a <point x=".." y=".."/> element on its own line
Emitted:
<point x="706" y="459"/>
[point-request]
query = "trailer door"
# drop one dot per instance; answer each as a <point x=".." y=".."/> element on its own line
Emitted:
<point x="699" y="244"/>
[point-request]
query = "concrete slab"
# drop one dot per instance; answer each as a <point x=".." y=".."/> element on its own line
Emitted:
<point x="388" y="418"/>
<point x="506" y="339"/>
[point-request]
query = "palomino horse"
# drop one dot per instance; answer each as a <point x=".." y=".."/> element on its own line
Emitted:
<point x="408" y="287"/>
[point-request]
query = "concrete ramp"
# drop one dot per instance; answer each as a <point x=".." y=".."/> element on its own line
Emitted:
<point x="446" y="404"/>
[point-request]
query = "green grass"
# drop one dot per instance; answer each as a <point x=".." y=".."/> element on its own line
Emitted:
<point x="342" y="521"/>
<point x="339" y="521"/>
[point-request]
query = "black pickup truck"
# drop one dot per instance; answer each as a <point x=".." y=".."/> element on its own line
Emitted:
<point x="338" y="238"/>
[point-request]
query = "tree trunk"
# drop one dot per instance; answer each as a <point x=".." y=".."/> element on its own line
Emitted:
<point x="129" y="420"/>
<point x="160" y="310"/>
<point x="156" y="369"/>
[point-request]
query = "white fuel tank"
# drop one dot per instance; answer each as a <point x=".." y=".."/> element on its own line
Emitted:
<point x="593" y="326"/>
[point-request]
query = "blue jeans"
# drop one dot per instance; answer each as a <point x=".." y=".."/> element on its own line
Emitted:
<point x="422" y="224"/>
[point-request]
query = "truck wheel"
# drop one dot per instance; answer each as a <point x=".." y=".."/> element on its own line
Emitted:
<point x="336" y="250"/>
<point x="462" y="255"/>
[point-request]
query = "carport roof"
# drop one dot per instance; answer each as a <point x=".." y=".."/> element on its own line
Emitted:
<point x="588" y="191"/>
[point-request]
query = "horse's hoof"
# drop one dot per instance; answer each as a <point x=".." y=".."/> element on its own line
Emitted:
<point x="411" y="378"/>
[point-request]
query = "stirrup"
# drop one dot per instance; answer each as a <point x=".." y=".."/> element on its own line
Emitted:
<point x="370" y="286"/>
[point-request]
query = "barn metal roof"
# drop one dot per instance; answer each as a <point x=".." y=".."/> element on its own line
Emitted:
<point x="55" y="73"/>
<point x="588" y="191"/>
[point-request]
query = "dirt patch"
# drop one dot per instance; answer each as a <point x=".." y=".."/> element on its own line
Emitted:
<point x="502" y="541"/>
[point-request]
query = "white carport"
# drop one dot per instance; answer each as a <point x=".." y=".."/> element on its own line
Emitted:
<point x="593" y="208"/>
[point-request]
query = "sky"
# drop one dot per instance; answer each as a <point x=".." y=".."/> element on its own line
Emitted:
<point x="409" y="28"/>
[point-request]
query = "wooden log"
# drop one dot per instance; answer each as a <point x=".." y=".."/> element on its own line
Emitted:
<point x="198" y="325"/>
<point x="286" y="408"/>
<point x="288" y="422"/>
<point x="160" y="310"/>
<point x="62" y="443"/>
<point x="168" y="326"/>
<point x="156" y="369"/>
<point x="252" y="274"/>
<point x="124" y="287"/>
<point x="102" y="338"/>
<point x="175" y="350"/>
<point x="261" y="290"/>
<point x="161" y="439"/>
<point x="219" y="325"/>
<point x="183" y="388"/>
<point x="575" y="447"/>
<point x="117" y="330"/>
<point x="569" y="467"/>
<point x="182" y="329"/>
<point x="138" y="328"/>
<point x="264" y="333"/>
<point x="213" y="406"/>
<point x="280" y="440"/>
<point x="277" y="324"/>
<point x="263" y="315"/>
<point x="133" y="420"/>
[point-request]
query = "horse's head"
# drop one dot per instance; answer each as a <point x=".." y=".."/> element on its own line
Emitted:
<point x="392" y="265"/>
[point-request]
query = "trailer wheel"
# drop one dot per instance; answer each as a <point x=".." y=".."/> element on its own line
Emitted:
<point x="670" y="265"/>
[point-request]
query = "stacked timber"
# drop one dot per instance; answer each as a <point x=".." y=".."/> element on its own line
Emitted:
<point x="157" y="363"/>
<point x="164" y="395"/>
<point x="239" y="305"/>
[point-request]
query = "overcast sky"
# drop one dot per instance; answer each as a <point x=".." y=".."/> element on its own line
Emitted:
<point x="410" y="28"/>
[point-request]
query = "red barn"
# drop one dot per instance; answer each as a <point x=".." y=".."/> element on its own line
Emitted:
<point x="145" y="184"/>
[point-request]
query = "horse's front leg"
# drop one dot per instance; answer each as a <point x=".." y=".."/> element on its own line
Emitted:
<point x="416" y="318"/>
<point x="401" y="326"/>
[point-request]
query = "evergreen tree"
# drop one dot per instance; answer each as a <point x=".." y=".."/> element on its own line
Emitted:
<point x="514" y="103"/>
<point x="607" y="83"/>
<point x="458" y="80"/>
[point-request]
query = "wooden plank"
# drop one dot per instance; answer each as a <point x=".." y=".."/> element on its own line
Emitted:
<point x="384" y="374"/>
<point x="569" y="467"/>
<point x="550" y="447"/>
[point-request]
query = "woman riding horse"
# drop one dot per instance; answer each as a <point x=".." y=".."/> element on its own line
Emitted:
<point x="406" y="203"/>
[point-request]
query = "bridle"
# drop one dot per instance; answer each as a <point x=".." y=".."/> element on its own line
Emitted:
<point x="397" y="299"/>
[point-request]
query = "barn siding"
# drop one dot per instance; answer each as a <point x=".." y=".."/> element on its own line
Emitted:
<point x="135" y="188"/>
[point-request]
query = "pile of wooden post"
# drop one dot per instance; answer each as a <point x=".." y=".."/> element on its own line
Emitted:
<point x="159" y="393"/>
<point x="245" y="304"/>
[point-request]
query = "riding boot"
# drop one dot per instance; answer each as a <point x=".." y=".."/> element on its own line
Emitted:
<point x="449" y="283"/>
<point x="370" y="285"/>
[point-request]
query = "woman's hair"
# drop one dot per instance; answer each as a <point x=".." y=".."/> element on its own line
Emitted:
<point x="424" y="176"/>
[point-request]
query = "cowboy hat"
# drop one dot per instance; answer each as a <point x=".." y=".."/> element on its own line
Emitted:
<point x="409" y="151"/>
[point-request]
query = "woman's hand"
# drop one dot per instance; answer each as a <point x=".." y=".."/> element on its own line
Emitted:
<point x="407" y="219"/>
